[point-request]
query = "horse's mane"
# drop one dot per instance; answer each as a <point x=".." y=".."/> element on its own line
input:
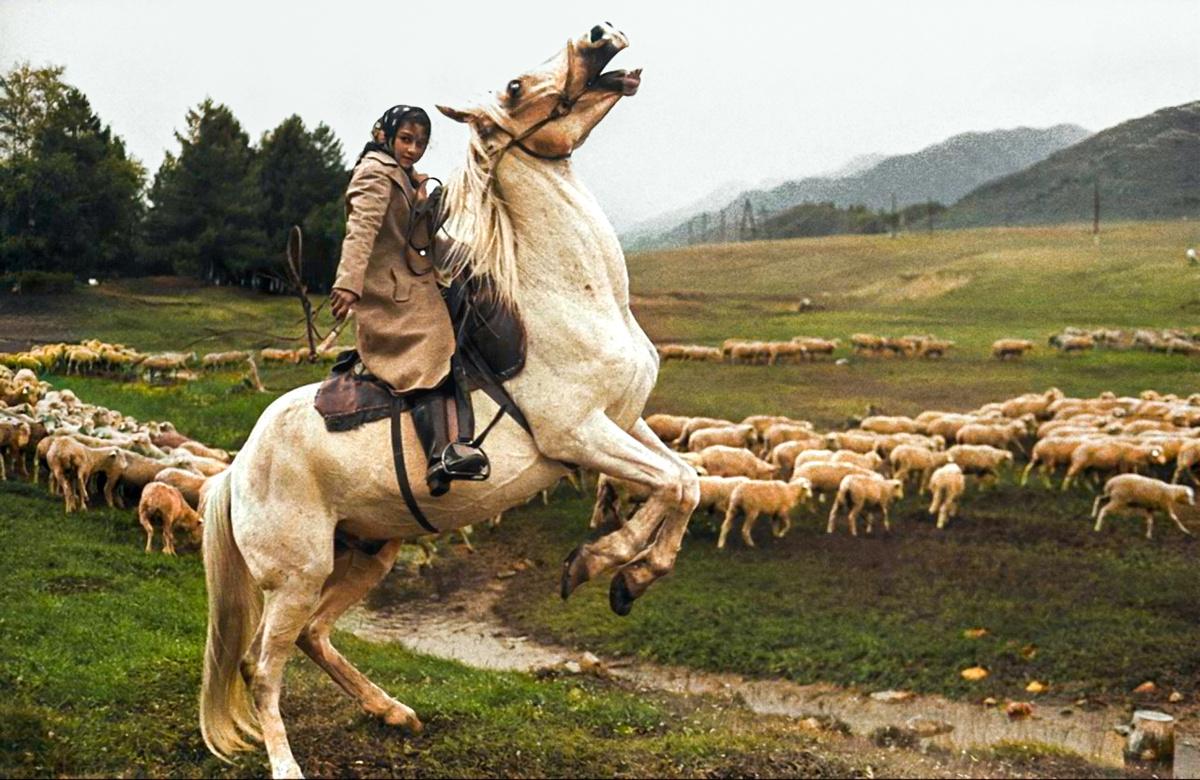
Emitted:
<point x="477" y="218"/>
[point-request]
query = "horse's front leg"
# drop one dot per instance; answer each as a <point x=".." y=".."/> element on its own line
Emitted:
<point x="600" y="444"/>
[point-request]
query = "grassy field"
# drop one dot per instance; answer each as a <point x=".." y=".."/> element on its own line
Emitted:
<point x="1094" y="614"/>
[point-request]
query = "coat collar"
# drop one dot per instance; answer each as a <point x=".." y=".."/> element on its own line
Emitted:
<point x="394" y="170"/>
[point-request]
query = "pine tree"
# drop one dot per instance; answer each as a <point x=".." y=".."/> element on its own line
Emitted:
<point x="206" y="205"/>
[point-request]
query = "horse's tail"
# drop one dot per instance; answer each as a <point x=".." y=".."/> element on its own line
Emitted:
<point x="234" y="608"/>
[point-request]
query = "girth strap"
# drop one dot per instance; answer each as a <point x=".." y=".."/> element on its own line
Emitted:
<point x="398" y="407"/>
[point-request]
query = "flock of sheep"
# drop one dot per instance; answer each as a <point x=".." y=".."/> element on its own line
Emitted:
<point x="769" y="465"/>
<point x="804" y="348"/>
<point x="99" y="358"/>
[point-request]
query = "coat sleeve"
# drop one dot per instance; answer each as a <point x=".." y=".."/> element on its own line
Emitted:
<point x="366" y="203"/>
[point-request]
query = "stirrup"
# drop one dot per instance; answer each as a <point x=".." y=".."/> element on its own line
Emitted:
<point x="459" y="460"/>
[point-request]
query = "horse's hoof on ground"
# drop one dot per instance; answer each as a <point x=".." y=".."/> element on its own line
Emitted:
<point x="620" y="599"/>
<point x="404" y="719"/>
<point x="574" y="573"/>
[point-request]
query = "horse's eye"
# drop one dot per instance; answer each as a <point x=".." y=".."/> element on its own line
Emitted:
<point x="514" y="88"/>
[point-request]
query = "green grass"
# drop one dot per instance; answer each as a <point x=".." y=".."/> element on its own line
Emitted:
<point x="1102" y="612"/>
<point x="100" y="648"/>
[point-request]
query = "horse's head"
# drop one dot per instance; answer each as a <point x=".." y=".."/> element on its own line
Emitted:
<point x="550" y="110"/>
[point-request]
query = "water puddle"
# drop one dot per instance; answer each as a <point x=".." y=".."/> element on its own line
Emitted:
<point x="467" y="632"/>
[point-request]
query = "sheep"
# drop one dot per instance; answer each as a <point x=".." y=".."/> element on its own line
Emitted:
<point x="665" y="352"/>
<point x="272" y="355"/>
<point x="73" y="462"/>
<point x="784" y="455"/>
<point x="857" y="491"/>
<point x="722" y="461"/>
<point x="882" y="424"/>
<point x="695" y="424"/>
<point x="223" y="359"/>
<point x="611" y="493"/>
<point x="1109" y="455"/>
<point x="934" y="348"/>
<point x="667" y="427"/>
<point x="706" y="354"/>
<point x="715" y="492"/>
<point x="1036" y="404"/>
<point x="784" y="432"/>
<point x="753" y="498"/>
<point x="209" y="467"/>
<point x="947" y="485"/>
<point x="1186" y="460"/>
<point x="816" y="346"/>
<point x="15" y="435"/>
<point x="731" y="436"/>
<point x="909" y="459"/>
<point x="196" y="448"/>
<point x="1145" y="495"/>
<point x="858" y="441"/>
<point x="1071" y="343"/>
<point x="979" y="459"/>
<point x="189" y="483"/>
<point x="749" y="352"/>
<point x="777" y="351"/>
<point x="867" y="460"/>
<point x="948" y="424"/>
<point x="999" y="436"/>
<point x="1003" y="349"/>
<point x="866" y="344"/>
<point x="1051" y="453"/>
<point x="826" y="477"/>
<point x="165" y="505"/>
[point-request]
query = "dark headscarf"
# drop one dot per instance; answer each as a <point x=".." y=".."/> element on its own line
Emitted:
<point x="389" y="123"/>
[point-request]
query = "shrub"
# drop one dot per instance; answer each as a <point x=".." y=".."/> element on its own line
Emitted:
<point x="38" y="282"/>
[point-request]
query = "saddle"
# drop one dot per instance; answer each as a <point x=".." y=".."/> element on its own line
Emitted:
<point x="489" y="348"/>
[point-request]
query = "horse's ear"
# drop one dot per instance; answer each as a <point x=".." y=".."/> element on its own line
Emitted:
<point x="458" y="115"/>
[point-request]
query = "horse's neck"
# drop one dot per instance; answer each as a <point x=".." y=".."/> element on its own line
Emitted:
<point x="566" y="247"/>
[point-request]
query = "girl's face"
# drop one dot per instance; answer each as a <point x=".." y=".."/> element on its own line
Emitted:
<point x="409" y="144"/>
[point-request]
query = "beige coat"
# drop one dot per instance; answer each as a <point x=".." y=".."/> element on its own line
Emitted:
<point x="404" y="331"/>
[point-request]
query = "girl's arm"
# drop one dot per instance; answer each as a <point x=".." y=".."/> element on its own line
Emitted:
<point x="367" y="201"/>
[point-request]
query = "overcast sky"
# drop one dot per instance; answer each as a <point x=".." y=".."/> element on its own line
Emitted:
<point x="740" y="91"/>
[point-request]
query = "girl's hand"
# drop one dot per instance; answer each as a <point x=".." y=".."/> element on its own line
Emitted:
<point x="419" y="180"/>
<point x="340" y="302"/>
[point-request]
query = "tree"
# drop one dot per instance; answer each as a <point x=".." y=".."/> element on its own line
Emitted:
<point x="206" y="206"/>
<point x="301" y="177"/>
<point x="69" y="193"/>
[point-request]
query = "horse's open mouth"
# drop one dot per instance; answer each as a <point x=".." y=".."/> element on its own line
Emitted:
<point x="624" y="81"/>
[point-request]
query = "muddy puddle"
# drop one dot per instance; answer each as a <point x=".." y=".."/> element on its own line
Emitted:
<point x="467" y="631"/>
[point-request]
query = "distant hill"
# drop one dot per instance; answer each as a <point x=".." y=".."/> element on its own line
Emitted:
<point x="943" y="172"/>
<point x="1147" y="168"/>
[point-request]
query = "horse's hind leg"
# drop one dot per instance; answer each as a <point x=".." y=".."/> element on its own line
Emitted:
<point x="286" y="610"/>
<point x="354" y="573"/>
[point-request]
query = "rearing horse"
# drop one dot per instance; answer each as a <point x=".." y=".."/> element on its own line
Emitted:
<point x="276" y="579"/>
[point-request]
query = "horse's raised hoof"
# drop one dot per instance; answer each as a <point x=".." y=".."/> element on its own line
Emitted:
<point x="403" y="718"/>
<point x="574" y="573"/>
<point x="620" y="599"/>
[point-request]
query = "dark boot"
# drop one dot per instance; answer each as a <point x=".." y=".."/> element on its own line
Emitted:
<point x="447" y="460"/>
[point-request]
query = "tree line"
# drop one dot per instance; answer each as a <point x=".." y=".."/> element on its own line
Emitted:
<point x="72" y="199"/>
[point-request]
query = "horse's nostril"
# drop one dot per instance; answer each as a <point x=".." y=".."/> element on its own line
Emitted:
<point x="597" y="33"/>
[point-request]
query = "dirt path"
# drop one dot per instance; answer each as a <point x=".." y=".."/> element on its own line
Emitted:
<point x="459" y="623"/>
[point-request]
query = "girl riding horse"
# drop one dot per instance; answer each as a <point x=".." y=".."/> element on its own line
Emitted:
<point x="404" y="334"/>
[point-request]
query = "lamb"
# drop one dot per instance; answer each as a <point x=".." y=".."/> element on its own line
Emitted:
<point x="188" y="483"/>
<point x="722" y="461"/>
<point x="14" y="438"/>
<point x="731" y="436"/>
<point x="826" y="477"/>
<point x="1110" y="455"/>
<point x="1145" y="495"/>
<point x="209" y="467"/>
<point x="165" y="505"/>
<point x="947" y="485"/>
<point x="783" y="432"/>
<point x="858" y="491"/>
<point x="753" y="498"/>
<point x="979" y="459"/>
<point x="196" y="448"/>
<point x="1186" y="460"/>
<point x="909" y="459"/>
<point x="1003" y="349"/>
<point x="785" y="455"/>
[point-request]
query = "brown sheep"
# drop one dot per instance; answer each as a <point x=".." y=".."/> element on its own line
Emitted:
<point x="166" y="506"/>
<point x="696" y="424"/>
<point x="715" y="493"/>
<point x="722" y="461"/>
<point x="667" y="427"/>
<point x="1002" y="349"/>
<point x="72" y="464"/>
<point x="1108" y="455"/>
<point x="731" y="436"/>
<point x="825" y="477"/>
<point x="909" y="459"/>
<point x="770" y="497"/>
<point x="882" y="424"/>
<point x="858" y="441"/>
<point x="858" y="491"/>
<point x="1000" y="436"/>
<point x="780" y="432"/>
<point x="189" y="483"/>
<point x="980" y="460"/>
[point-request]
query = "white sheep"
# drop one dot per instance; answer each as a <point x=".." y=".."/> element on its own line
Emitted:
<point x="858" y="491"/>
<point x="947" y="485"/>
<point x="758" y="497"/>
<point x="1144" y="495"/>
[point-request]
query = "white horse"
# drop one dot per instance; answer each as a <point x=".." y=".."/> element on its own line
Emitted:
<point x="276" y="578"/>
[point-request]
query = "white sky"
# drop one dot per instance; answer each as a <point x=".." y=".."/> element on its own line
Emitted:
<point x="740" y="90"/>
